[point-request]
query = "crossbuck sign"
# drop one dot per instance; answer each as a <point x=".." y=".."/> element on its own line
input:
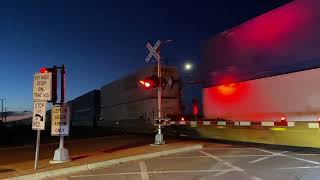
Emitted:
<point x="153" y="51"/>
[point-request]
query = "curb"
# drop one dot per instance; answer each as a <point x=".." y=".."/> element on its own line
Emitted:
<point x="97" y="165"/>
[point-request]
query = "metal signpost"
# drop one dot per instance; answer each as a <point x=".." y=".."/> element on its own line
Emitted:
<point x="60" y="122"/>
<point x="42" y="83"/>
<point x="44" y="89"/>
<point x="154" y="52"/>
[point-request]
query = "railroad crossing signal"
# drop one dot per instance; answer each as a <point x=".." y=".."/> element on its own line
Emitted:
<point x="150" y="82"/>
<point x="153" y="51"/>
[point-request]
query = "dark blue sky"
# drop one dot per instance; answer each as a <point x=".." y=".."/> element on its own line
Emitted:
<point x="100" y="41"/>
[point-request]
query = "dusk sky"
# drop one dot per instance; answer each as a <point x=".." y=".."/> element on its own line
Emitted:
<point x="100" y="41"/>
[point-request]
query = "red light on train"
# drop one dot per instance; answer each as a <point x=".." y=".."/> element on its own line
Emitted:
<point x="227" y="89"/>
<point x="283" y="118"/>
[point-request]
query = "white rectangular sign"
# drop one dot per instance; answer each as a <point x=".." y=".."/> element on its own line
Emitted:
<point x="42" y="83"/>
<point x="39" y="115"/>
<point x="60" y="120"/>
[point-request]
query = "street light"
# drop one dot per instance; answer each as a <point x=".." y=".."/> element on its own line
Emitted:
<point x="188" y="66"/>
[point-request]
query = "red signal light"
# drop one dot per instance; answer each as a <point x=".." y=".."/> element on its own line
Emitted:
<point x="147" y="84"/>
<point x="142" y="82"/>
<point x="150" y="82"/>
<point x="283" y="118"/>
<point x="43" y="70"/>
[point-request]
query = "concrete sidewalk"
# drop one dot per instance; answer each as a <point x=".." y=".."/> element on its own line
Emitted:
<point x="85" y="154"/>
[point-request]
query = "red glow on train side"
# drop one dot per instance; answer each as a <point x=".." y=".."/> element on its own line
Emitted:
<point x="228" y="89"/>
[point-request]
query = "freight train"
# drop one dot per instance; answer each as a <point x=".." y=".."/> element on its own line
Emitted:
<point x="124" y="105"/>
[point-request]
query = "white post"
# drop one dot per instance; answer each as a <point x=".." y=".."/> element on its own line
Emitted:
<point x="37" y="150"/>
<point x="159" y="136"/>
<point x="61" y="154"/>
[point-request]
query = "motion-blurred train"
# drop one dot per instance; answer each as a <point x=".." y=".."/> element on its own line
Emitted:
<point x="125" y="105"/>
<point x="264" y="70"/>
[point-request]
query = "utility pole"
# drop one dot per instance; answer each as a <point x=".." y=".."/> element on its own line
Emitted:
<point x="5" y="114"/>
<point x="2" y="115"/>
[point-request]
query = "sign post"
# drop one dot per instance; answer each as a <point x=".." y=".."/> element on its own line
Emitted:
<point x="38" y="123"/>
<point x="155" y="52"/>
<point x="42" y="83"/>
<point x="60" y="123"/>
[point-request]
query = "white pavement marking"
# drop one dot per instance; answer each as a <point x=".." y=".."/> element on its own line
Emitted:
<point x="111" y="174"/>
<point x="268" y="156"/>
<point x="223" y="172"/>
<point x="306" y="154"/>
<point x="190" y="171"/>
<point x="154" y="172"/>
<point x="301" y="167"/>
<point x="231" y="148"/>
<point x="144" y="171"/>
<point x="234" y="168"/>
<point x="290" y="157"/>
<point x="221" y="160"/>
<point x="301" y="159"/>
<point x="184" y="157"/>
<point x="222" y="156"/>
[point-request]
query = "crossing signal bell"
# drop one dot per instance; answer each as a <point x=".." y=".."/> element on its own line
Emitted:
<point x="53" y="71"/>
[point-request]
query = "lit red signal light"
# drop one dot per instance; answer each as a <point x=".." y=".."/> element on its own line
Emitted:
<point x="43" y="70"/>
<point x="150" y="82"/>
<point x="145" y="84"/>
<point x="283" y="118"/>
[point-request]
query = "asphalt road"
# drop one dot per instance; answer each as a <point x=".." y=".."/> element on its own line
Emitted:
<point x="218" y="161"/>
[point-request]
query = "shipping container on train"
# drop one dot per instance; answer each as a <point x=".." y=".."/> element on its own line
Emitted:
<point x="85" y="109"/>
<point x="276" y="57"/>
<point x="283" y="40"/>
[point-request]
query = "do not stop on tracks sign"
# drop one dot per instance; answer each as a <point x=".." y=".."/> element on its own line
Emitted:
<point x="60" y="120"/>
<point x="42" y="84"/>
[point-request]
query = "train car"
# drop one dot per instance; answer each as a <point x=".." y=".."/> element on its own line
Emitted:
<point x="127" y="106"/>
<point x="262" y="79"/>
<point x="285" y="42"/>
<point x="85" y="109"/>
<point x="280" y="41"/>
